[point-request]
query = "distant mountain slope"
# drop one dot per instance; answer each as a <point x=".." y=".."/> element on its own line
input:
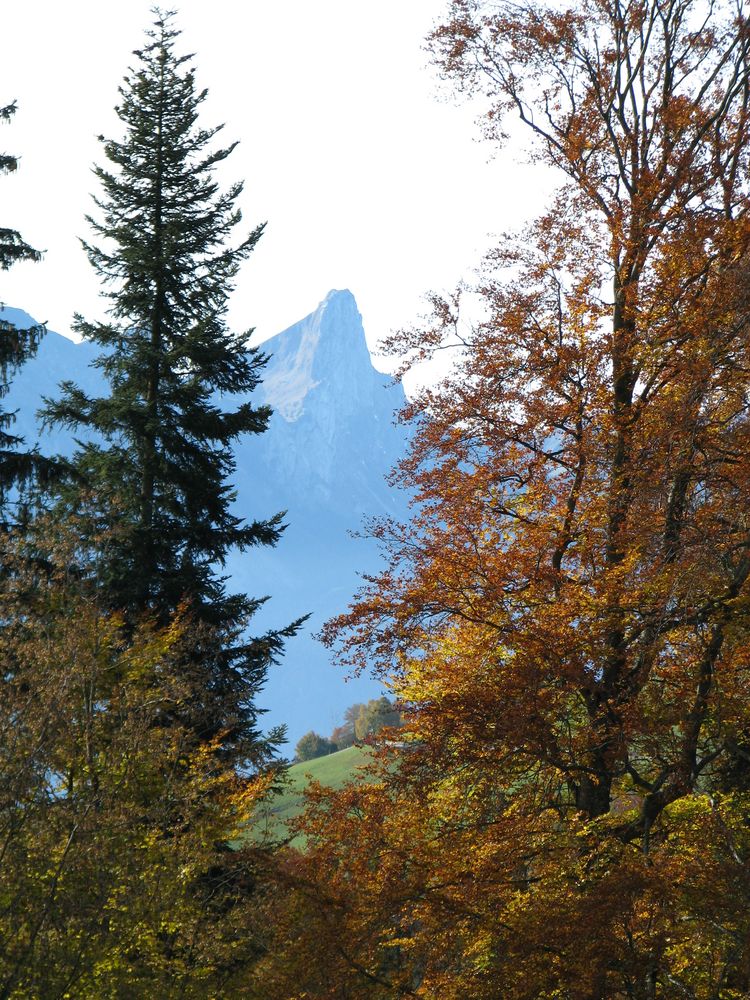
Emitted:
<point x="330" y="443"/>
<point x="58" y="358"/>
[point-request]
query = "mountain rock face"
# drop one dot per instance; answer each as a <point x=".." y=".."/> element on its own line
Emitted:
<point x="332" y="431"/>
<point x="330" y="443"/>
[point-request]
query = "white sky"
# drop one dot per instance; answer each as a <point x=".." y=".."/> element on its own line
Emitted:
<point x="369" y="174"/>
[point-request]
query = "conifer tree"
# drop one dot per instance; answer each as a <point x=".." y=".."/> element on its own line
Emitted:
<point x="160" y="453"/>
<point x="16" y="346"/>
<point x="13" y="247"/>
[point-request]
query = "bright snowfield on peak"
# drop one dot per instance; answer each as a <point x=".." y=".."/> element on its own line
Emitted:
<point x="330" y="443"/>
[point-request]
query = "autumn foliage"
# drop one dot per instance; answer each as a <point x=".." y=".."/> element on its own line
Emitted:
<point x="116" y="877"/>
<point x="565" y="618"/>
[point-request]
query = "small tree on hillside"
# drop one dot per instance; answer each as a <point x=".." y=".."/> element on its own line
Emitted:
<point x="312" y="745"/>
<point x="376" y="715"/>
<point x="352" y="714"/>
<point x="343" y="736"/>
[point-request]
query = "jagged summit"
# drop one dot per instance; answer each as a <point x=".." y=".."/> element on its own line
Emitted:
<point x="332" y="426"/>
<point x="328" y="347"/>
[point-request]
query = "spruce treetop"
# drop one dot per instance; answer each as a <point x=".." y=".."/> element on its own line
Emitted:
<point x="158" y="460"/>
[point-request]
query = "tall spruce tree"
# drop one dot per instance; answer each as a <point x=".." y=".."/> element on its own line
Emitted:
<point x="17" y="467"/>
<point x="159" y="455"/>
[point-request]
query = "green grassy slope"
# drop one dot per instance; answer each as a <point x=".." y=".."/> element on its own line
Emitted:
<point x="334" y="771"/>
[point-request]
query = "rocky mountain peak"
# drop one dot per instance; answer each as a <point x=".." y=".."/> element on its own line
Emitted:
<point x="326" y="349"/>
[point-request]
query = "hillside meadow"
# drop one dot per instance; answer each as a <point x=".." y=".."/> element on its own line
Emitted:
<point x="274" y="814"/>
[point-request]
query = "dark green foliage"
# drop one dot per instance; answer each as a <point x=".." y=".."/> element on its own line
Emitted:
<point x="312" y="745"/>
<point x="17" y="468"/>
<point x="179" y="384"/>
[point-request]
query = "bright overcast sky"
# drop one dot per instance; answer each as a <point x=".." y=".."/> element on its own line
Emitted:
<point x="370" y="177"/>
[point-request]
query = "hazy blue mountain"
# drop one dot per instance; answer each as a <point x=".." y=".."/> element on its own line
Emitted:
<point x="58" y="359"/>
<point x="330" y="443"/>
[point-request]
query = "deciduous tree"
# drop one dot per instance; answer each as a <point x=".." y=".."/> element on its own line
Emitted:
<point x="566" y="616"/>
<point x="374" y="716"/>
<point x="313" y="745"/>
<point x="110" y="810"/>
